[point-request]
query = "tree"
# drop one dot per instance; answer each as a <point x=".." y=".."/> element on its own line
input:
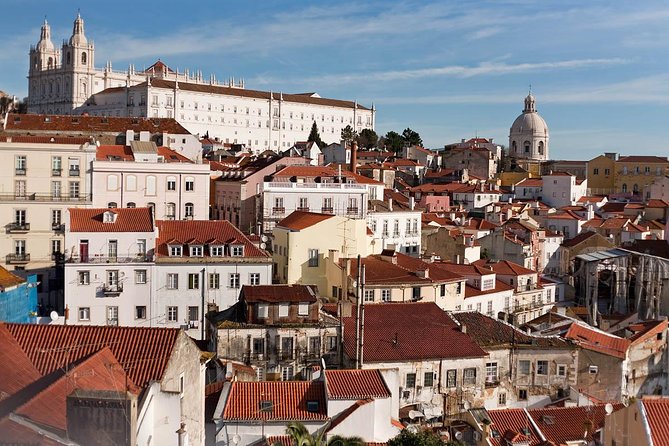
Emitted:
<point x="314" y="136"/>
<point x="300" y="436"/>
<point x="394" y="141"/>
<point x="368" y="138"/>
<point x="421" y="437"/>
<point x="348" y="134"/>
<point x="411" y="138"/>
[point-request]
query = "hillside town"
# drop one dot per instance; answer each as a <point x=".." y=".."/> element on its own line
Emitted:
<point x="188" y="261"/>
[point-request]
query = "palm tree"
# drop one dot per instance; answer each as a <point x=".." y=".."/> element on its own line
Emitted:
<point x="301" y="437"/>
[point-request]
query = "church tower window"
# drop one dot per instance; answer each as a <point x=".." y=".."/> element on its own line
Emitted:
<point x="69" y="58"/>
<point x="83" y="58"/>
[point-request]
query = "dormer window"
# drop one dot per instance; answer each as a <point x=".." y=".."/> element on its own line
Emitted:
<point x="216" y="251"/>
<point x="312" y="406"/>
<point x="237" y="250"/>
<point x="266" y="406"/>
<point x="109" y="217"/>
<point x="196" y="251"/>
<point x="176" y="250"/>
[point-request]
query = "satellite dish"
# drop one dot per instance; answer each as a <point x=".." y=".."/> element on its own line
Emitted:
<point x="458" y="435"/>
<point x="236" y="439"/>
<point x="413" y="414"/>
<point x="264" y="238"/>
<point x="412" y="428"/>
<point x="54" y="316"/>
<point x="466" y="405"/>
<point x="608" y="408"/>
<point x="263" y="246"/>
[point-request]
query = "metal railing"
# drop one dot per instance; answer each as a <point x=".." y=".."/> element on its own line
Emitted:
<point x="43" y="197"/>
<point x="139" y="258"/>
<point x="18" y="227"/>
<point x="112" y="289"/>
<point x="17" y="258"/>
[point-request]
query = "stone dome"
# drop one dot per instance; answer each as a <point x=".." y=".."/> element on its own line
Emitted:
<point x="529" y="123"/>
<point x="528" y="137"/>
<point x="45" y="44"/>
<point x="78" y="36"/>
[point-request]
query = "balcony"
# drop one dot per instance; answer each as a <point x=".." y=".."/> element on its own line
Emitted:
<point x="20" y="172"/>
<point x="58" y="257"/>
<point x="139" y="258"/>
<point x="17" y="259"/>
<point x="278" y="210"/>
<point x="18" y="228"/>
<point x="20" y="196"/>
<point x="111" y="290"/>
<point x="75" y="172"/>
<point x="285" y="355"/>
<point x="352" y="210"/>
<point x="56" y="172"/>
<point x="303" y="208"/>
<point x="327" y="210"/>
<point x="57" y="227"/>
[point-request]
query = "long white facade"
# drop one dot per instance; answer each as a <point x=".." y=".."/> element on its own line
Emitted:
<point x="66" y="81"/>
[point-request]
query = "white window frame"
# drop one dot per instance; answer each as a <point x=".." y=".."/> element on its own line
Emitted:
<point x="284" y="309"/>
<point x="303" y="309"/>
<point x="86" y="312"/>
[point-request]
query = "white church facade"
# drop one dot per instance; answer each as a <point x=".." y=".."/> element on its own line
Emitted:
<point x="66" y="81"/>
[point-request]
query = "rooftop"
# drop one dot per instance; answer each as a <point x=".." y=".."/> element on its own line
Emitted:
<point x="125" y="220"/>
<point x="85" y="125"/>
<point x="299" y="220"/>
<point x="278" y="293"/>
<point x="355" y="384"/>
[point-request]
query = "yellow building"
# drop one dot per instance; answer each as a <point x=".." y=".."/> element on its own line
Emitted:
<point x="601" y="174"/>
<point x="634" y="174"/>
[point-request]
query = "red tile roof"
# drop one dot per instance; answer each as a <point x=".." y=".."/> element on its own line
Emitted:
<point x="8" y="279"/>
<point x="530" y="182"/>
<point x="45" y="139"/>
<point x="563" y="424"/>
<point x="656" y="203"/>
<point x="171" y="156"/>
<point x="278" y="293"/>
<point x="144" y="352"/>
<point x="583" y="236"/>
<point x="398" y="332"/>
<point x="598" y="341"/>
<point x="402" y="270"/>
<point x="299" y="220"/>
<point x="355" y="384"/>
<point x="643" y="159"/>
<point x="84" y="125"/>
<point x="322" y="171"/>
<point x="289" y="401"/>
<point x="505" y="267"/>
<point x="17" y="370"/>
<point x="344" y="414"/>
<point x="512" y="423"/>
<point x="657" y="414"/>
<point x="127" y="220"/>
<point x="114" y="152"/>
<point x="199" y="232"/>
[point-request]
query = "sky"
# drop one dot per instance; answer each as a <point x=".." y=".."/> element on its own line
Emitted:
<point x="447" y="69"/>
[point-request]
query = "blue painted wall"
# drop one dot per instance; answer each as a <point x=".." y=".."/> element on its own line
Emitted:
<point x="16" y="305"/>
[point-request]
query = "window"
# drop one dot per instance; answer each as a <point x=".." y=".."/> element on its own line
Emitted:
<point x="55" y="246"/>
<point x="172" y="314"/>
<point x="442" y="290"/>
<point x="522" y="394"/>
<point x="190" y="184"/>
<point x="501" y="399"/>
<point x="303" y="309"/>
<point x="593" y="370"/>
<point x="469" y="376"/>
<point x="385" y="295"/>
<point x="189" y="210"/>
<point x="263" y="311"/>
<point x="112" y="249"/>
<point x="172" y="281"/>
<point x="303" y="204"/>
<point x="254" y="279"/>
<point x="451" y="378"/>
<point x="21" y="164"/>
<point x="283" y="310"/>
<point x="140" y="276"/>
<point x="313" y="257"/>
<point x="55" y="189"/>
<point x="490" y="313"/>
<point x="74" y="189"/>
<point x="216" y="251"/>
<point x="237" y="250"/>
<point x="73" y="164"/>
<point x="196" y="250"/>
<point x="266" y="406"/>
<point x="542" y="367"/>
<point x="140" y="312"/>
<point x="411" y="380"/>
<point x="332" y="343"/>
<point x="56" y="166"/>
<point x="176" y="250"/>
<point x="84" y="277"/>
<point x="287" y="373"/>
<point x="193" y="281"/>
<point x="233" y="280"/>
<point x="84" y="313"/>
<point x="428" y="379"/>
<point x="214" y="281"/>
<point x="112" y="182"/>
<point x="112" y="316"/>
<point x="562" y="370"/>
<point x="171" y="183"/>
<point x="369" y="295"/>
<point x="193" y="313"/>
<point x="491" y="372"/>
<point x="20" y="188"/>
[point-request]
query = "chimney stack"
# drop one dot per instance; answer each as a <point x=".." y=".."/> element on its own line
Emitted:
<point x="390" y="204"/>
<point x="354" y="157"/>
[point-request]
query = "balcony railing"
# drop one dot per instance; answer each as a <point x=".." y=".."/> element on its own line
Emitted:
<point x="139" y="258"/>
<point x="278" y="210"/>
<point x="43" y="197"/>
<point x="18" y="227"/>
<point x="327" y="210"/>
<point x="74" y="172"/>
<point x="111" y="289"/>
<point x="56" y="172"/>
<point x="351" y="210"/>
<point x="289" y="185"/>
<point x="17" y="259"/>
<point x="58" y="227"/>
<point x="21" y="172"/>
<point x="287" y="355"/>
<point x="303" y="208"/>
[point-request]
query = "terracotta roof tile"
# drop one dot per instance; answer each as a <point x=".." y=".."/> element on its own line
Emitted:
<point x="580" y="238"/>
<point x="568" y="424"/>
<point x="322" y="171"/>
<point x="114" y="152"/>
<point x="506" y="268"/>
<point x="355" y="384"/>
<point x="598" y="341"/>
<point x="397" y="332"/>
<point x="127" y="220"/>
<point x="288" y="401"/>
<point x="657" y="414"/>
<point x="143" y="351"/>
<point x="45" y="139"/>
<point x="9" y="279"/>
<point x="17" y="370"/>
<point x="642" y="159"/>
<point x="512" y="423"/>
<point x="299" y="220"/>
<point x="91" y="124"/>
<point x="200" y="232"/>
<point x="278" y="293"/>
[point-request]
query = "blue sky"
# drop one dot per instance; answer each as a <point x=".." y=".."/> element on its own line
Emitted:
<point x="447" y="69"/>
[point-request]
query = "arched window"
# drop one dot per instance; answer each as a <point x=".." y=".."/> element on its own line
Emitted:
<point x="526" y="146"/>
<point x="112" y="182"/>
<point x="131" y="182"/>
<point x="49" y="64"/>
<point x="635" y="188"/>
<point x="112" y="205"/>
<point x="84" y="89"/>
<point x="514" y="147"/>
<point x="35" y="62"/>
<point x="83" y="58"/>
<point x="188" y="210"/>
<point x="541" y="147"/>
<point x="624" y="187"/>
<point x="170" y="211"/>
<point x="151" y="206"/>
<point x="150" y="185"/>
<point x="131" y="204"/>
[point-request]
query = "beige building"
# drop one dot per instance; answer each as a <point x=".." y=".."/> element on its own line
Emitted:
<point x="40" y="178"/>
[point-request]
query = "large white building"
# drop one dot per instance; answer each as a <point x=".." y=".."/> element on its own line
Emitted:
<point x="66" y="81"/>
<point x="124" y="268"/>
<point x="528" y="137"/>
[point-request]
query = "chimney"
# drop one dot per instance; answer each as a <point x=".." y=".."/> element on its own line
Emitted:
<point x="412" y="203"/>
<point x="390" y="204"/>
<point x="591" y="212"/>
<point x="423" y="273"/>
<point x="354" y="157"/>
<point x="463" y="328"/>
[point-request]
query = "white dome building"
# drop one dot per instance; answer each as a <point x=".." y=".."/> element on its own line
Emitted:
<point x="528" y="138"/>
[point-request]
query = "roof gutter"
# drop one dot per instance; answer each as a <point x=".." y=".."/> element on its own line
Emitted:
<point x="644" y="420"/>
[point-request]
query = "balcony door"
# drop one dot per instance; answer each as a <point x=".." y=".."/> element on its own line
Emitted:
<point x="83" y="250"/>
